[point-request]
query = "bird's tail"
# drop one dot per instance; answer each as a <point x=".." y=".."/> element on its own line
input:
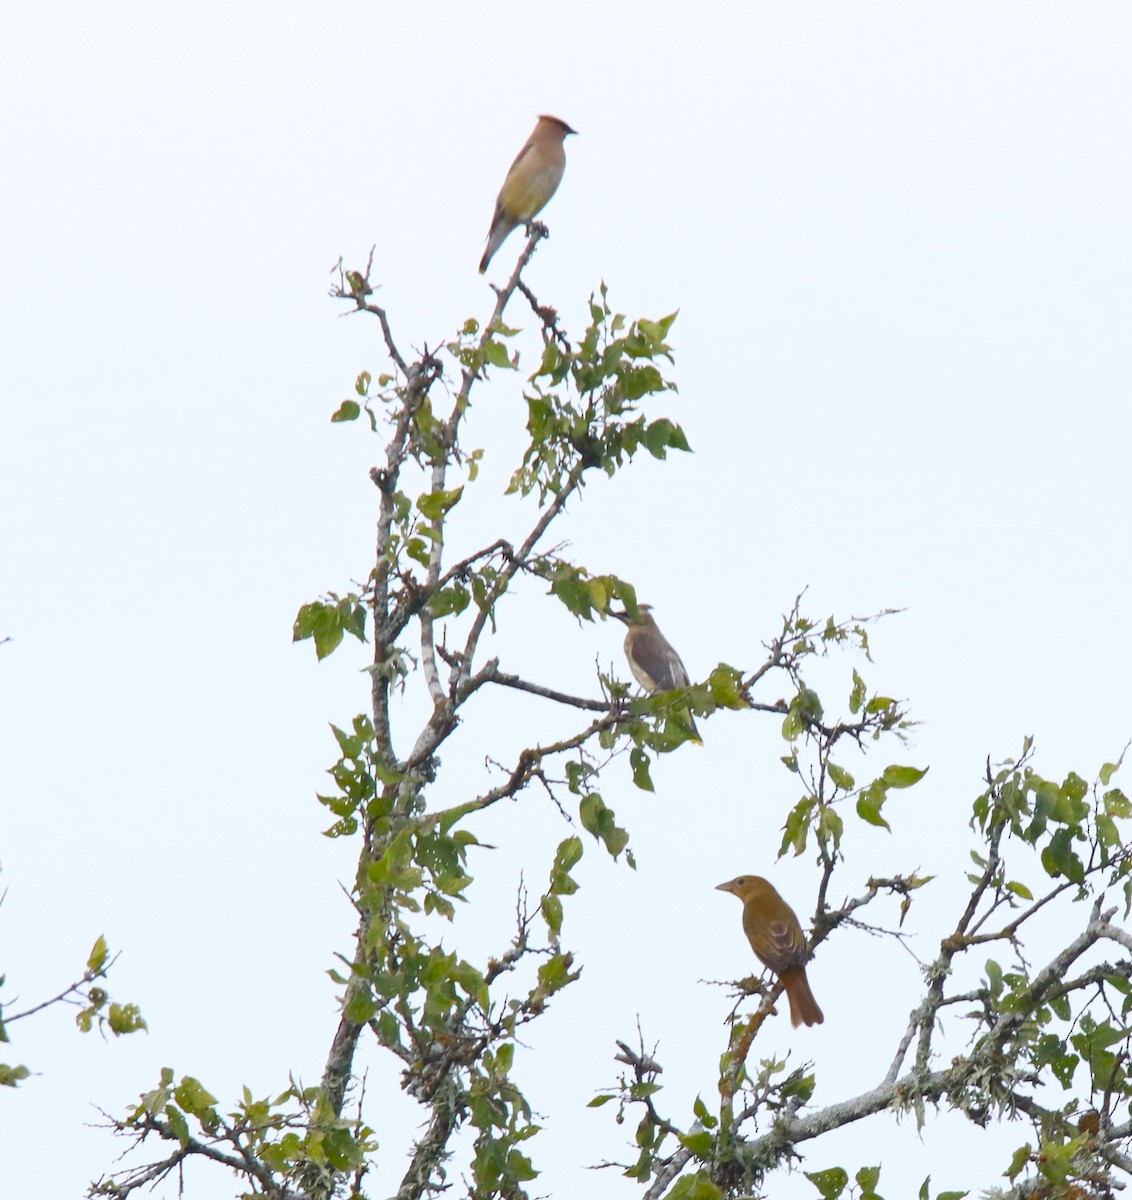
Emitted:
<point x="803" y="1007"/>
<point x="501" y="226"/>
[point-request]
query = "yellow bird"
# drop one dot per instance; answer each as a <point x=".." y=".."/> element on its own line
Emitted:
<point x="534" y="177"/>
<point x="777" y="938"/>
<point x="655" y="664"/>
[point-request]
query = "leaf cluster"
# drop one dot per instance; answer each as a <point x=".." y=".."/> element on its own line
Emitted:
<point x="451" y="1025"/>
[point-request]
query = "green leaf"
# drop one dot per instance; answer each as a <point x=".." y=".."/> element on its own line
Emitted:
<point x="99" y="953"/>
<point x="830" y="1182"/>
<point x="361" y="1008"/>
<point x="598" y="819"/>
<point x="792" y="725"/>
<point x="867" y="1178"/>
<point x="519" y="1167"/>
<point x="359" y="289"/>
<point x="868" y="809"/>
<point x="857" y="695"/>
<point x="902" y="777"/>
<point x="1021" y="1157"/>
<point x="435" y="903"/>
<point x="450" y="600"/>
<point x="1046" y="796"/>
<point x="551" y="908"/>
<point x="694" y="1187"/>
<point x="725" y="684"/>
<point x="661" y="436"/>
<point x="799" y="1085"/>
<point x="1107" y="832"/>
<point x="327" y="623"/>
<point x="496" y="354"/>
<point x="342" y="1151"/>
<point x="700" y="1143"/>
<point x="349" y="743"/>
<point x="797" y="827"/>
<point x="595" y="816"/>
<point x="1074" y="788"/>
<point x="348" y="410"/>
<point x="830" y="826"/>
<point x="573" y="590"/>
<point x="178" y="1124"/>
<point x="192" y="1096"/>
<point x="504" y="1057"/>
<point x="568" y="854"/>
<point x="388" y="1030"/>
<point x="656" y="331"/>
<point x="840" y="777"/>
<point x="639" y="761"/>
<point x="124" y="1018"/>
<point x="418" y="550"/>
<point x="1116" y="804"/>
<point x="1058" y="858"/>
<point x="1020" y="890"/>
<point x="555" y="974"/>
<point x="433" y="505"/>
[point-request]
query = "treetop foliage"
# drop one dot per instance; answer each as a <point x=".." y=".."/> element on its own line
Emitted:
<point x="1045" y="1042"/>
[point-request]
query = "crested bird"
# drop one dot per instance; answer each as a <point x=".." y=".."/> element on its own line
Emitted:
<point x="777" y="939"/>
<point x="654" y="663"/>
<point x="532" y="180"/>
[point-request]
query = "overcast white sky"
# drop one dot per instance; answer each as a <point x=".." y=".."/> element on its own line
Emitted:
<point x="899" y="238"/>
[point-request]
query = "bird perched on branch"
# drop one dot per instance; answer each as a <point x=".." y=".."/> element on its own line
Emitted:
<point x="534" y="177"/>
<point x="777" y="938"/>
<point x="655" y="665"/>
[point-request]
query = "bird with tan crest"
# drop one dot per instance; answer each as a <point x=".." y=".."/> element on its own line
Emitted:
<point x="532" y="180"/>
<point x="777" y="939"/>
<point x="655" y="664"/>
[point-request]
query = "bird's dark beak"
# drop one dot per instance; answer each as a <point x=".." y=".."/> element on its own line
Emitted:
<point x="622" y="617"/>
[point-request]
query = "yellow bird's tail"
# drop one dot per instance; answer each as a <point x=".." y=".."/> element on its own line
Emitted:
<point x="501" y="226"/>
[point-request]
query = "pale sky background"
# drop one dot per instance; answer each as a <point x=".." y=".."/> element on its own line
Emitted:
<point x="899" y="238"/>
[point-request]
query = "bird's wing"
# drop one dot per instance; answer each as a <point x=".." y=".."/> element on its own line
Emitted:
<point x="531" y="184"/>
<point x="780" y="944"/>
<point x="526" y="150"/>
<point x="656" y="659"/>
<point x="677" y="671"/>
